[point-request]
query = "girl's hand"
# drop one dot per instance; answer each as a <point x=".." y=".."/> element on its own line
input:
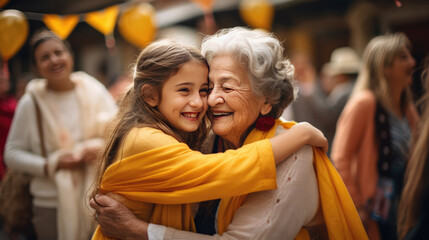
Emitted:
<point x="313" y="136"/>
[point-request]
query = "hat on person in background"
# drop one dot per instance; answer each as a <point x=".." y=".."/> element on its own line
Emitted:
<point x="343" y="60"/>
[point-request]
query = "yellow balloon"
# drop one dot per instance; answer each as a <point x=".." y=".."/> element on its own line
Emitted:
<point x="137" y="24"/>
<point x="257" y="13"/>
<point x="14" y="32"/>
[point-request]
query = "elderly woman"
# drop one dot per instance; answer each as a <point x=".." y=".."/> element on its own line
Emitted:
<point x="250" y="76"/>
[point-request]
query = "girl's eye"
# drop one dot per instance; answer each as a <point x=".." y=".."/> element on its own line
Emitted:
<point x="209" y="90"/>
<point x="204" y="91"/>
<point x="184" y="90"/>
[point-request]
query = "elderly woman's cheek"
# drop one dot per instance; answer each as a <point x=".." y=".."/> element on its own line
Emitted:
<point x="249" y="110"/>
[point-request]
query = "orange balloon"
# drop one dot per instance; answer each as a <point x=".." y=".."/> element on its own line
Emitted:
<point x="3" y="2"/>
<point x="14" y="32"/>
<point x="206" y="5"/>
<point x="104" y="21"/>
<point x="137" y="24"/>
<point x="257" y="13"/>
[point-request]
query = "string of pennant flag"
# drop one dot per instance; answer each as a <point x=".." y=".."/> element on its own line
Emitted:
<point x="136" y="22"/>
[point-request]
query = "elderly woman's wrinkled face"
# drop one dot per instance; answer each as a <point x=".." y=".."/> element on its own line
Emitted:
<point x="232" y="102"/>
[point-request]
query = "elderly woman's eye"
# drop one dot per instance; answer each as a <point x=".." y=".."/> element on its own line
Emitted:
<point x="227" y="89"/>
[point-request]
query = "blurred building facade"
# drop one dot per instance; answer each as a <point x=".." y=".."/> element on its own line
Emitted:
<point x="315" y="27"/>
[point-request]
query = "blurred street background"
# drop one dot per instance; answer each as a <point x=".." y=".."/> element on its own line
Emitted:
<point x="313" y="27"/>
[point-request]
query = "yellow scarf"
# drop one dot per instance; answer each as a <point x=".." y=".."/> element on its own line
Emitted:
<point x="339" y="212"/>
<point x="173" y="176"/>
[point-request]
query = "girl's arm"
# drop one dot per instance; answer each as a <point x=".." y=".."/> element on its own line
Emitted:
<point x="174" y="174"/>
<point x="285" y="144"/>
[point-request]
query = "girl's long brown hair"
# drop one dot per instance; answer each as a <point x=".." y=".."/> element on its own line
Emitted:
<point x="156" y="63"/>
<point x="416" y="176"/>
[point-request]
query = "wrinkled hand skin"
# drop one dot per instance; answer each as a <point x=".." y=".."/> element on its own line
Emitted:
<point x="117" y="221"/>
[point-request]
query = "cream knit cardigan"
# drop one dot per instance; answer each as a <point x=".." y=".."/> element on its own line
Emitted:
<point x="22" y="153"/>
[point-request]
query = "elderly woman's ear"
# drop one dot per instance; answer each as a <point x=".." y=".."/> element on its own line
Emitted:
<point x="266" y="108"/>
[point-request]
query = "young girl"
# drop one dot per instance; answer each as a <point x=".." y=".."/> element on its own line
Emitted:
<point x="147" y="161"/>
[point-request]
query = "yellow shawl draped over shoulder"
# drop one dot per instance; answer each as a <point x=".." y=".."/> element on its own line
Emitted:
<point x="340" y="216"/>
<point x="159" y="184"/>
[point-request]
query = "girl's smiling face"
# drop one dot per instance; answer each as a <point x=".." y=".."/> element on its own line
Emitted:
<point x="184" y="97"/>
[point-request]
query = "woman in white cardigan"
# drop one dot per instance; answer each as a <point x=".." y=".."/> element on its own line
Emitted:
<point x="74" y="109"/>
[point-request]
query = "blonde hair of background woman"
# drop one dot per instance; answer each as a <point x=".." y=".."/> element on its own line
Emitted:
<point x="378" y="55"/>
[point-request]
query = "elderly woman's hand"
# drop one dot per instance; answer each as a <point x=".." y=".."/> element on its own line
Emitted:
<point x="313" y="136"/>
<point x="117" y="221"/>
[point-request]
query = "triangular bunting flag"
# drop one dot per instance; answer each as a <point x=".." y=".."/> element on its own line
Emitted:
<point x="104" y="21"/>
<point x="61" y="25"/>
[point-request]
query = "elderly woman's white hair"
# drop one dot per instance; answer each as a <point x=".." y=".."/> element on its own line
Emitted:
<point x="271" y="74"/>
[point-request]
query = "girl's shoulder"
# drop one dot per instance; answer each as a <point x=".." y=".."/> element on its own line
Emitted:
<point x="149" y="134"/>
<point x="141" y="139"/>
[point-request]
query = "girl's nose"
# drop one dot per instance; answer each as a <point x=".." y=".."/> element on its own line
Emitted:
<point x="196" y="101"/>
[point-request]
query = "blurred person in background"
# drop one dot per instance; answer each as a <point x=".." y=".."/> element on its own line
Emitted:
<point x="21" y="84"/>
<point x="413" y="211"/>
<point x="371" y="144"/>
<point x="7" y="108"/>
<point x="320" y="102"/>
<point x="74" y="110"/>
<point x="305" y="77"/>
<point x="120" y="87"/>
